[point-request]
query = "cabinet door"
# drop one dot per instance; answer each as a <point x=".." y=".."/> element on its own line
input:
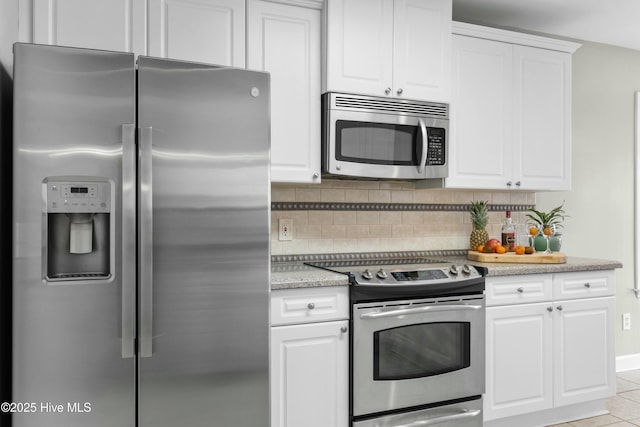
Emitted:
<point x="309" y="375"/>
<point x="543" y="118"/>
<point x="584" y="350"/>
<point x="422" y="49"/>
<point x="481" y="148"/>
<point x="209" y="31"/>
<point x="359" y="40"/>
<point x="117" y="25"/>
<point x="285" y="41"/>
<point x="519" y="360"/>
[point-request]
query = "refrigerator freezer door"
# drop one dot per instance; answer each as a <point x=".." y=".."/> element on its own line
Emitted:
<point x="69" y="108"/>
<point x="205" y="353"/>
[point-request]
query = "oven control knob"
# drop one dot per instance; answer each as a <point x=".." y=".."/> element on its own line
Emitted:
<point x="453" y="270"/>
<point x="381" y="274"/>
<point x="466" y="270"/>
<point x="367" y="275"/>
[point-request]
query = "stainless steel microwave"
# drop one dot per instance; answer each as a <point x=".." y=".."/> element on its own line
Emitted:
<point x="383" y="138"/>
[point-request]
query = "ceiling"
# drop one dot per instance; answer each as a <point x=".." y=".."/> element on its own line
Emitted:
<point x="613" y="22"/>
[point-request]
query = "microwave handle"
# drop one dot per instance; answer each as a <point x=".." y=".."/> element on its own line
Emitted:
<point x="425" y="141"/>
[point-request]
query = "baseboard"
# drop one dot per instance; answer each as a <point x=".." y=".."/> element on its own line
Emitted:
<point x="628" y="362"/>
<point x="553" y="416"/>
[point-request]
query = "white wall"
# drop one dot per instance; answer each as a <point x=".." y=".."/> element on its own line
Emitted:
<point x="601" y="203"/>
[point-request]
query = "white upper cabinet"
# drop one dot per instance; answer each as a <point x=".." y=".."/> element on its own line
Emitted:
<point x="282" y="37"/>
<point x="285" y="41"/>
<point x="542" y="82"/>
<point x="511" y="111"/>
<point x="209" y="31"/>
<point x="399" y="48"/>
<point x="422" y="49"/>
<point x="359" y="43"/>
<point x="117" y="25"/>
<point x="481" y="143"/>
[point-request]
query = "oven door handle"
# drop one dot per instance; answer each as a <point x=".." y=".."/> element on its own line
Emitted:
<point x="417" y="310"/>
<point x="454" y="417"/>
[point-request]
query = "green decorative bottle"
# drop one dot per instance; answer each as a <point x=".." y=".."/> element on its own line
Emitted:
<point x="540" y="243"/>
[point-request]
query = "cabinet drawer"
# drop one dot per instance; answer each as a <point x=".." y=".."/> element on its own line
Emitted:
<point x="583" y="284"/>
<point x="518" y="289"/>
<point x="289" y="306"/>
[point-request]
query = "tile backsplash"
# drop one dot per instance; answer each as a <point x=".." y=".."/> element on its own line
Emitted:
<point x="341" y="216"/>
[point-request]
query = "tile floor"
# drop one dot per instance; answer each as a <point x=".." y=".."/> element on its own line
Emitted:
<point x="624" y="408"/>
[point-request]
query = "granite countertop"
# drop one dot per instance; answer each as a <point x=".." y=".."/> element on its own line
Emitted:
<point x="288" y="275"/>
<point x="572" y="264"/>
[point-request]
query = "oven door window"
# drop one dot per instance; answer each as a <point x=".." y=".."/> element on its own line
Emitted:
<point x="378" y="143"/>
<point x="421" y="350"/>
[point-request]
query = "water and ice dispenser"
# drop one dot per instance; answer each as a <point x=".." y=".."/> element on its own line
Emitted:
<point x="78" y="229"/>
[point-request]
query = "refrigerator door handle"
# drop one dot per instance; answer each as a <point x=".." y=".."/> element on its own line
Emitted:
<point x="128" y="240"/>
<point x="145" y="255"/>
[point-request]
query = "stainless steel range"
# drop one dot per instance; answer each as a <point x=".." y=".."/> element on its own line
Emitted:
<point x="417" y="342"/>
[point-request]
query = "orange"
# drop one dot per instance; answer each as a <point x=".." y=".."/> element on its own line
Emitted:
<point x="533" y="231"/>
<point x="546" y="231"/>
<point x="519" y="250"/>
<point x="501" y="250"/>
<point x="480" y="248"/>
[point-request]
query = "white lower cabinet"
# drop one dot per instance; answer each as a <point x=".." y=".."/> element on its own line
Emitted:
<point x="519" y="361"/>
<point x="310" y="358"/>
<point x="547" y="354"/>
<point x="584" y="353"/>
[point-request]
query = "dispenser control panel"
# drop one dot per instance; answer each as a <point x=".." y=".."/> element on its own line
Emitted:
<point x="78" y="196"/>
<point x="88" y="190"/>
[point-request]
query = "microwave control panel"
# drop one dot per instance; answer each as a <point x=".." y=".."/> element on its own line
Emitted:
<point x="436" y="155"/>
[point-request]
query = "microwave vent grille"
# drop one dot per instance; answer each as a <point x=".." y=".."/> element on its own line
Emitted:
<point x="392" y="106"/>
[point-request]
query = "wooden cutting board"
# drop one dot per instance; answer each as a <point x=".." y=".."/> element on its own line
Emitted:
<point x="535" y="258"/>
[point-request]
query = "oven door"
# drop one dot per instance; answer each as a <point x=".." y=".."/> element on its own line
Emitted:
<point x="418" y="352"/>
<point x="373" y="145"/>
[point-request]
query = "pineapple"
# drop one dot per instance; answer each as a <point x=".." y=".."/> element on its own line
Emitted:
<point x="479" y="218"/>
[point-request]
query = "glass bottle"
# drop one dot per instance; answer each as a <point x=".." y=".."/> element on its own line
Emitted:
<point x="509" y="234"/>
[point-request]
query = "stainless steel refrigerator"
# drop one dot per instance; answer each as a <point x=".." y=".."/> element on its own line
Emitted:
<point x="141" y="241"/>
